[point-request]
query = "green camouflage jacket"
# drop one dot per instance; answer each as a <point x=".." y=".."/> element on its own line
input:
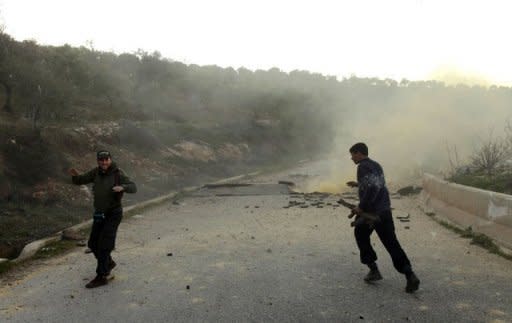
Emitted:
<point x="105" y="199"/>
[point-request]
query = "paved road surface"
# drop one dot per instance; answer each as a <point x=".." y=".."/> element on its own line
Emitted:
<point x="247" y="258"/>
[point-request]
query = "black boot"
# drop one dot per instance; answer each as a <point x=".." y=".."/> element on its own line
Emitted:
<point x="374" y="273"/>
<point x="97" y="282"/>
<point x="111" y="265"/>
<point x="413" y="283"/>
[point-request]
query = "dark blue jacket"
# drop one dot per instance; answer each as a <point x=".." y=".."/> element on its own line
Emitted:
<point x="373" y="193"/>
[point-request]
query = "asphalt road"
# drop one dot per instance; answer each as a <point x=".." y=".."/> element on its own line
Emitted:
<point x="248" y="257"/>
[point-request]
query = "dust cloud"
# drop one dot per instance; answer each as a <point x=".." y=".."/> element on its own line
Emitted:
<point x="452" y="75"/>
<point x="416" y="131"/>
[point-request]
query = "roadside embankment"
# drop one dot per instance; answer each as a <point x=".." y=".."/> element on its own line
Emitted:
<point x="485" y="212"/>
<point x="31" y="249"/>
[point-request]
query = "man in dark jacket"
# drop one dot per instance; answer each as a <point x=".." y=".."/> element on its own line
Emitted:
<point x="109" y="184"/>
<point x="374" y="198"/>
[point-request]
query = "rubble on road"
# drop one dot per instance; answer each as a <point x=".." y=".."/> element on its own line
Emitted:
<point x="409" y="190"/>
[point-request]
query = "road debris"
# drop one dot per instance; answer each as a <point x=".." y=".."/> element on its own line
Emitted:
<point x="405" y="218"/>
<point x="409" y="190"/>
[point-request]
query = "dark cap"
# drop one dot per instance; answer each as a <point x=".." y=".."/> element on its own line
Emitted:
<point x="103" y="154"/>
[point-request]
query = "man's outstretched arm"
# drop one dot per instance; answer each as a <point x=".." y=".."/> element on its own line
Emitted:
<point x="83" y="179"/>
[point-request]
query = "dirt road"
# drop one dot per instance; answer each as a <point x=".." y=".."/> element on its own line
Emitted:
<point x="246" y="256"/>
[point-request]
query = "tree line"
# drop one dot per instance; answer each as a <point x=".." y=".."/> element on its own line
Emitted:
<point x="55" y="84"/>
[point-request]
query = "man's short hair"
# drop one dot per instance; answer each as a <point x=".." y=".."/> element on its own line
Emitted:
<point x="360" y="147"/>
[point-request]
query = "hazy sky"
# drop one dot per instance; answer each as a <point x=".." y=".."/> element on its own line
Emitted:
<point x="414" y="39"/>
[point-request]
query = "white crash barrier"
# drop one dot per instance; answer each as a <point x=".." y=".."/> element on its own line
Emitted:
<point x="491" y="206"/>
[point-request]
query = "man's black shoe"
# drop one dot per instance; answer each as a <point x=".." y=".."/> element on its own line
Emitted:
<point x="373" y="275"/>
<point x="111" y="266"/>
<point x="413" y="283"/>
<point x="97" y="282"/>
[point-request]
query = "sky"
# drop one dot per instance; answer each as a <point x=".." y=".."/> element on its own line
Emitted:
<point x="448" y="40"/>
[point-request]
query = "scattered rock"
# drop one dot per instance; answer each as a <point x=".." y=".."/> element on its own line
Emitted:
<point x="403" y="217"/>
<point x="407" y="227"/>
<point x="409" y="190"/>
<point x="169" y="254"/>
<point x="188" y="286"/>
<point x="286" y="183"/>
<point x="197" y="151"/>
<point x="81" y="244"/>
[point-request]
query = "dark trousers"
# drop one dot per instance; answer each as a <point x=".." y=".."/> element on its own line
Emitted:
<point x="386" y="231"/>
<point x="103" y="239"/>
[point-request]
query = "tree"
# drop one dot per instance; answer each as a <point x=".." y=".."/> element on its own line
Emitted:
<point x="8" y="96"/>
<point x="5" y="42"/>
<point x="490" y="155"/>
<point x="508" y="132"/>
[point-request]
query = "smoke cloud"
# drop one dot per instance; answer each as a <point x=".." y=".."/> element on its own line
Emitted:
<point x="416" y="129"/>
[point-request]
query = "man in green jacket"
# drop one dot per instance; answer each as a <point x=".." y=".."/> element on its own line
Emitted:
<point x="109" y="184"/>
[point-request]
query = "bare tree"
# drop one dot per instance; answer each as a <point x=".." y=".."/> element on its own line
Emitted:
<point x="453" y="158"/>
<point x="4" y="47"/>
<point x="492" y="153"/>
<point x="36" y="107"/>
<point x="508" y="132"/>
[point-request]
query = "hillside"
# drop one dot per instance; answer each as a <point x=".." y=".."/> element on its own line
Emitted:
<point x="37" y="198"/>
<point x="170" y="125"/>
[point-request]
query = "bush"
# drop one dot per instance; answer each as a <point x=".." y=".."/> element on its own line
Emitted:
<point x="138" y="138"/>
<point x="491" y="155"/>
<point x="501" y="183"/>
<point x="29" y="160"/>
